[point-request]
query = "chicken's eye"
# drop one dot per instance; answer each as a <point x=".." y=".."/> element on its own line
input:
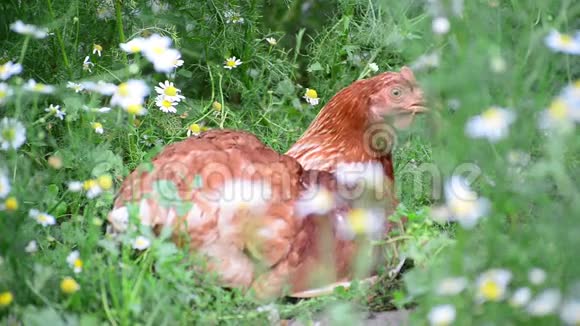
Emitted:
<point x="396" y="92"/>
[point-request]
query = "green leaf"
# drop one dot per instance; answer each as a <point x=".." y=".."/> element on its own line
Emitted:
<point x="315" y="67"/>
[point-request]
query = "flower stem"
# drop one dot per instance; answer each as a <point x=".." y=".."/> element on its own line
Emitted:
<point x="119" y="18"/>
<point x="59" y="38"/>
<point x="24" y="48"/>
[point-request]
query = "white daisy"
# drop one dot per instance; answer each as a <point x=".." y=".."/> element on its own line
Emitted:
<point x="31" y="247"/>
<point x="141" y="243"/>
<point x="373" y="67"/>
<point x="56" y="111"/>
<point x="4" y="185"/>
<point x="544" y="303"/>
<point x="42" y="218"/>
<point x="129" y="93"/>
<point x="492" y="124"/>
<point x="272" y="41"/>
<point x="521" y="297"/>
<point x="92" y="188"/>
<point x="177" y="62"/>
<point x="165" y="104"/>
<point x="462" y="204"/>
<point x="194" y="129"/>
<point x="570" y="312"/>
<point x="233" y="17"/>
<point x="442" y="315"/>
<point x="562" y="113"/>
<point x="537" y="276"/>
<point x="135" y="45"/>
<point x="27" y="29"/>
<point x="451" y="286"/>
<point x="441" y="25"/>
<point x="75" y="86"/>
<point x="5" y="93"/>
<point x="74" y="261"/>
<point x="100" y="87"/>
<point x="87" y="64"/>
<point x="98" y="127"/>
<point x="9" y="69"/>
<point x="314" y="200"/>
<point x="12" y="134"/>
<point x="563" y="42"/>
<point x="32" y="86"/>
<point x="311" y="96"/>
<point x="75" y="186"/>
<point x="232" y="63"/>
<point x="97" y="48"/>
<point x="492" y="285"/>
<point x="169" y="91"/>
<point x="426" y="61"/>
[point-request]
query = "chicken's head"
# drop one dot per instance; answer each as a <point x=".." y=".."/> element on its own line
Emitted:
<point x="397" y="97"/>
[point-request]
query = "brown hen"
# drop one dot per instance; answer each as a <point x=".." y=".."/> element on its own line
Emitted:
<point x="256" y="214"/>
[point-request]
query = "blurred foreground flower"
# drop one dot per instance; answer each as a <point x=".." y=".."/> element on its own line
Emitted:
<point x="360" y="221"/>
<point x="32" y="86"/>
<point x="12" y="134"/>
<point x="98" y="127"/>
<point x="9" y="205"/>
<point x="315" y="200"/>
<point x="537" y="276"/>
<point x="74" y="261"/>
<point x="451" y="286"/>
<point x="492" y="285"/>
<point x="69" y="285"/>
<point x="570" y="312"/>
<point x="4" y="185"/>
<point x="129" y="94"/>
<point x="28" y="29"/>
<point x="563" y="42"/>
<point x="462" y="204"/>
<point x="9" y="69"/>
<point x="492" y="124"/>
<point x="440" y="25"/>
<point x="5" y="93"/>
<point x="521" y="297"/>
<point x="272" y="41"/>
<point x="544" y="303"/>
<point x="442" y="315"/>
<point x="42" y="218"/>
<point x="31" y="247"/>
<point x="6" y="298"/>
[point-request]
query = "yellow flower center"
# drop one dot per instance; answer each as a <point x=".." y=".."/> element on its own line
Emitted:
<point x="357" y="219"/>
<point x="158" y="49"/>
<point x="558" y="109"/>
<point x="462" y="207"/>
<point x="39" y="87"/>
<point x="490" y="290"/>
<point x="3" y="69"/>
<point x="310" y="93"/>
<point x="11" y="204"/>
<point x="69" y="285"/>
<point x="89" y="184"/>
<point x="576" y="84"/>
<point x="105" y="182"/>
<point x="166" y="103"/>
<point x="134" y="109"/>
<point x="6" y="298"/>
<point x="217" y="106"/>
<point x="9" y="134"/>
<point x="43" y="218"/>
<point x="97" y="47"/>
<point x="123" y="89"/>
<point x="491" y="114"/>
<point x="140" y="243"/>
<point x="78" y="263"/>
<point x="2" y="94"/>
<point x="195" y="128"/>
<point x="97" y="125"/>
<point x="170" y="91"/>
<point x="566" y="39"/>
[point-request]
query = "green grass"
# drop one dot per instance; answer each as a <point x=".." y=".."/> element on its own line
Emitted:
<point x="533" y="221"/>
